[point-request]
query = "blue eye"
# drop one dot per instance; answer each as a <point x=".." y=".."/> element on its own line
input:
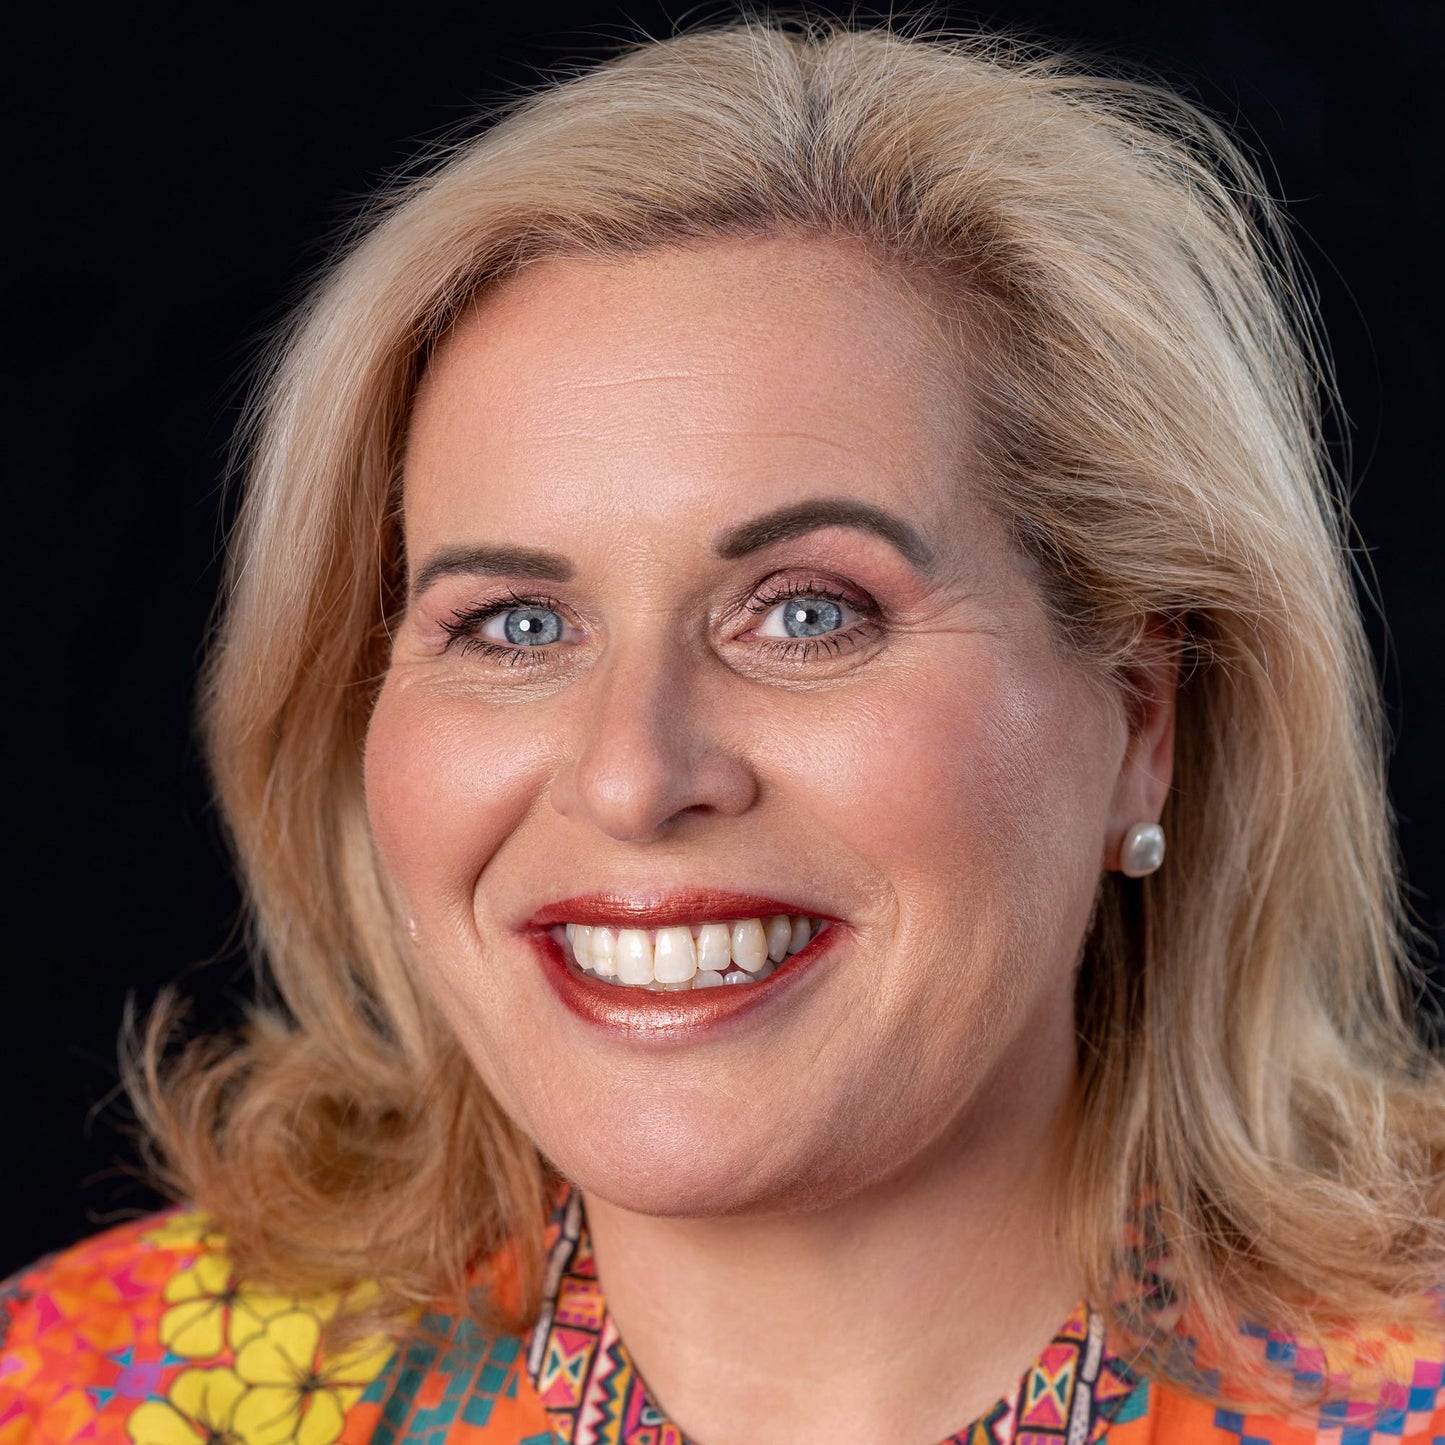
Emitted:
<point x="523" y="627"/>
<point x="796" y="624"/>
<point x="802" y="616"/>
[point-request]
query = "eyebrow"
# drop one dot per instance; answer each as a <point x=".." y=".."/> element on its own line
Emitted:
<point x="801" y="517"/>
<point x="531" y="562"/>
<point x="776" y="526"/>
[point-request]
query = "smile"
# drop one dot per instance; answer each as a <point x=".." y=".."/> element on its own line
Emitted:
<point x="739" y="951"/>
<point x="668" y="966"/>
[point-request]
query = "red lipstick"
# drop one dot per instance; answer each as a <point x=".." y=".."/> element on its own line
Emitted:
<point x="665" y="910"/>
<point x="641" y="1014"/>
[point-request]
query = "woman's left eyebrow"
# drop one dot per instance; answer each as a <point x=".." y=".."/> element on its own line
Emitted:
<point x="808" y="516"/>
<point x="530" y="562"/>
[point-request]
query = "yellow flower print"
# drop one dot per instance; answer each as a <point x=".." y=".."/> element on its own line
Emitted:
<point x="294" y="1394"/>
<point x="209" y="1310"/>
<point x="189" y="1229"/>
<point x="201" y="1407"/>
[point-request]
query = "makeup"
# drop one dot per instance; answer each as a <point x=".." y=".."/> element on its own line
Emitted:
<point x="678" y="1000"/>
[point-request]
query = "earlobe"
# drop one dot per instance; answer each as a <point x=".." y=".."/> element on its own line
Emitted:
<point x="1135" y="841"/>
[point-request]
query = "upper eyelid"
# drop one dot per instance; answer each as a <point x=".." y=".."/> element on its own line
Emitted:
<point x="774" y="590"/>
<point x="853" y="596"/>
<point x="815" y="585"/>
<point x="493" y="606"/>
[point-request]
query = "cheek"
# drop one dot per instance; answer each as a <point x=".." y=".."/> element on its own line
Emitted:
<point x="978" y="788"/>
<point x="444" y="787"/>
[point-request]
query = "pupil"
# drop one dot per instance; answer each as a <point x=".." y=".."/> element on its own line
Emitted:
<point x="809" y="618"/>
<point x="532" y="625"/>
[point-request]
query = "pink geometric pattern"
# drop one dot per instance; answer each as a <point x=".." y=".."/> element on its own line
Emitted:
<point x="586" y="1379"/>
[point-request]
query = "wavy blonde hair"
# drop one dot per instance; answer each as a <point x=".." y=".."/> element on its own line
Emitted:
<point x="1150" y="404"/>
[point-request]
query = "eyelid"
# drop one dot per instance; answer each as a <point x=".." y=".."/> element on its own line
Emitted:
<point x="768" y="595"/>
<point x="495" y="606"/>
<point x="779" y="587"/>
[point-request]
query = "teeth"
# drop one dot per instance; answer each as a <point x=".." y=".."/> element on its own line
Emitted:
<point x="780" y="932"/>
<point x="634" y="956"/>
<point x="750" y="945"/>
<point x="747" y="950"/>
<point x="799" y="937"/>
<point x="604" y="953"/>
<point x="582" y="945"/>
<point x="674" y="956"/>
<point x="714" y="948"/>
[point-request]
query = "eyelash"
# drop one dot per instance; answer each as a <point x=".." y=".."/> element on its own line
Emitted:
<point x="802" y="648"/>
<point x="461" y="627"/>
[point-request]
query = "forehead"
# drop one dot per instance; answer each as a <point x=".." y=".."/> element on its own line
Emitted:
<point x="708" y="375"/>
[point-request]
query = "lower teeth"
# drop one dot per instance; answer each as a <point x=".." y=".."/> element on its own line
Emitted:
<point x="703" y="978"/>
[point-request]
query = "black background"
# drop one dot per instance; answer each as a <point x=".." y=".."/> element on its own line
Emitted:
<point x="173" y="177"/>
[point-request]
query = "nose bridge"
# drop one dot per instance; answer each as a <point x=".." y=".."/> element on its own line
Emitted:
<point x="644" y="750"/>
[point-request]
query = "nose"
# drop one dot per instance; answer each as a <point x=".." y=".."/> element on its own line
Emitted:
<point x="647" y="750"/>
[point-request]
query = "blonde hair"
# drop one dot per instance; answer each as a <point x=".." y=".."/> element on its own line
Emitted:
<point x="1152" y="436"/>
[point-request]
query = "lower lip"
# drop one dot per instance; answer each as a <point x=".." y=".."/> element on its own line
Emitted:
<point x="641" y="1014"/>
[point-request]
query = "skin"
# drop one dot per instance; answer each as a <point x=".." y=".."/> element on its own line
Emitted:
<point x="947" y="782"/>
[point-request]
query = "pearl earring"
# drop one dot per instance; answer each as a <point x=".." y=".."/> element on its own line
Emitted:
<point x="1142" y="850"/>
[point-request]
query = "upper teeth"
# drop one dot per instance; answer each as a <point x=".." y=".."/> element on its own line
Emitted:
<point x="699" y="955"/>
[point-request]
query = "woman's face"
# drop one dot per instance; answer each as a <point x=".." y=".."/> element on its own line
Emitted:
<point x="703" y="603"/>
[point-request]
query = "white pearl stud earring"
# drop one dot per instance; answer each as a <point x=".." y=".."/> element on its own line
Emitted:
<point x="1142" y="850"/>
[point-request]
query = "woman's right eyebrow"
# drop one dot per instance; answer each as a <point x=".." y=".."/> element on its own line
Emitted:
<point x="531" y="562"/>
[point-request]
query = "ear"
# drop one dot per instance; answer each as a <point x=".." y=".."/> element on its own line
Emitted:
<point x="1148" y="765"/>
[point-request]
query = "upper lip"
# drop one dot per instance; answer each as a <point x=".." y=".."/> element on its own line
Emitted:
<point x="664" y="910"/>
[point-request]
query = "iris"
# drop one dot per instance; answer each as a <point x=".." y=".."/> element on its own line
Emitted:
<point x="812" y="616"/>
<point x="529" y="626"/>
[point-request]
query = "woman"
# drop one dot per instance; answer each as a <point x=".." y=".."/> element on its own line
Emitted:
<point x="744" y="568"/>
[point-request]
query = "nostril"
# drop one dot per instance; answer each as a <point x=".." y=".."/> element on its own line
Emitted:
<point x="701" y="810"/>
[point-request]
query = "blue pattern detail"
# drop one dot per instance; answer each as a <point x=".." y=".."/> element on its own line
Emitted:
<point x="1281" y="1352"/>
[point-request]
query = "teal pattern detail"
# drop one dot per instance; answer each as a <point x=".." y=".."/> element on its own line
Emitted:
<point x="1135" y="1404"/>
<point x="478" y="1369"/>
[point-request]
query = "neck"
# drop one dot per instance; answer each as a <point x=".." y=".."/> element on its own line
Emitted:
<point x="902" y="1312"/>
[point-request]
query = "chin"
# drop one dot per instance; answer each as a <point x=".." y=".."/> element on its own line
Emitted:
<point x="700" y="1164"/>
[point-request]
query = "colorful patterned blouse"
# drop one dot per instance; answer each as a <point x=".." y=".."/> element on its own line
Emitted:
<point x="144" y="1336"/>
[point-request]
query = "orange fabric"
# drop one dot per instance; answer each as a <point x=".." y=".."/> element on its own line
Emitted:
<point x="143" y="1335"/>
